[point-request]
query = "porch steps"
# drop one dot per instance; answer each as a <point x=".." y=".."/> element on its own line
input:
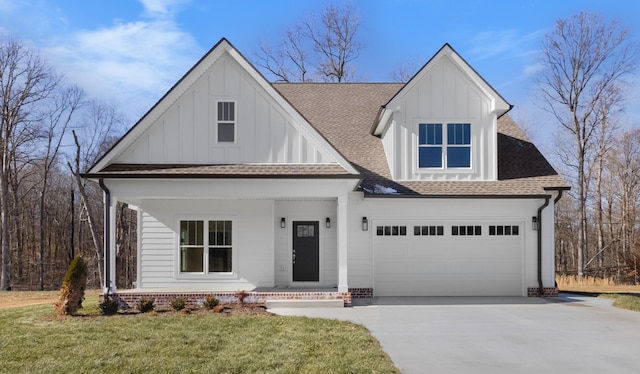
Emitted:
<point x="273" y="304"/>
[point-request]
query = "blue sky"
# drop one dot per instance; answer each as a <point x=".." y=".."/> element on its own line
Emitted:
<point x="130" y="52"/>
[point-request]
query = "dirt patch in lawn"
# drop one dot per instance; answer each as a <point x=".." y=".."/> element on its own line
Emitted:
<point x="225" y="309"/>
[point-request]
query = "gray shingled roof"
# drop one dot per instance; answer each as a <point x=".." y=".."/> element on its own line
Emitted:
<point x="226" y="171"/>
<point x="345" y="112"/>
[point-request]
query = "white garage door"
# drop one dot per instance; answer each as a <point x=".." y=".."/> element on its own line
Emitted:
<point x="435" y="259"/>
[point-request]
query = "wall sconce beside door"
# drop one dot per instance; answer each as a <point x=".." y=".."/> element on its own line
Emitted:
<point x="365" y="224"/>
<point x="534" y="223"/>
<point x="283" y="222"/>
<point x="327" y="223"/>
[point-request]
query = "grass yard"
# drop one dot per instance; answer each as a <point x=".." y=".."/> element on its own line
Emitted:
<point x="599" y="287"/>
<point x="34" y="340"/>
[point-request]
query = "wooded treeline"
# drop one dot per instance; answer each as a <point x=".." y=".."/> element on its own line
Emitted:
<point x="587" y="68"/>
<point x="51" y="132"/>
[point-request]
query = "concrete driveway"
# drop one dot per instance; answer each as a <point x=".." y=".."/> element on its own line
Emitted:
<point x="568" y="334"/>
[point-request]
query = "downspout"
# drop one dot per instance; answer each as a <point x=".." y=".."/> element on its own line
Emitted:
<point x="540" y="286"/>
<point x="107" y="236"/>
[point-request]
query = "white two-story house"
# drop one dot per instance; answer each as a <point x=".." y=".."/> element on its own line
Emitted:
<point x="427" y="188"/>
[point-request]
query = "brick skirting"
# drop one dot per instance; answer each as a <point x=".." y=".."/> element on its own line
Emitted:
<point x="361" y="293"/>
<point x="130" y="300"/>
<point x="548" y="292"/>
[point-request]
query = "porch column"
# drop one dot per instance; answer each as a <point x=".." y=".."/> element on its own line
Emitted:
<point x="109" y="244"/>
<point x="342" y="244"/>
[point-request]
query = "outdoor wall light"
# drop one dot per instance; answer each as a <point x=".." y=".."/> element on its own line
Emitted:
<point x="365" y="224"/>
<point x="283" y="222"/>
<point x="534" y="223"/>
<point x="327" y="223"/>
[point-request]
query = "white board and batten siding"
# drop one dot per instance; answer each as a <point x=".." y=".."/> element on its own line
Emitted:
<point x="443" y="92"/>
<point x="265" y="132"/>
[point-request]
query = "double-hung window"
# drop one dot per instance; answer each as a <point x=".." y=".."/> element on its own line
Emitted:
<point x="226" y="121"/>
<point x="206" y="246"/>
<point x="434" y="152"/>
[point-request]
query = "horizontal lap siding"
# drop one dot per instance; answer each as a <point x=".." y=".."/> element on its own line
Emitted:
<point x="156" y="254"/>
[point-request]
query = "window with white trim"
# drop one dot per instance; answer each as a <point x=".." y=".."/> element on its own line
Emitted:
<point x="226" y="122"/>
<point x="206" y="251"/>
<point x="435" y="153"/>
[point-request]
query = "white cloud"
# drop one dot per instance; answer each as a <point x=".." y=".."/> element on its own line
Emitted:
<point x="131" y="63"/>
<point x="156" y="8"/>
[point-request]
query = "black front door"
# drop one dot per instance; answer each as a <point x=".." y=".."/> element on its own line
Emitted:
<point x="306" y="251"/>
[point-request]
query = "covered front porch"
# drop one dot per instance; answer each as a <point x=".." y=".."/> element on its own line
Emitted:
<point x="264" y="220"/>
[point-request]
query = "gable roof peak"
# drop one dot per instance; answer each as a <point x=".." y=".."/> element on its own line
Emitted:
<point x="499" y="105"/>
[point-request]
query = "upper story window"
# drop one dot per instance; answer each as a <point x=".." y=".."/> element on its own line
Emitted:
<point x="434" y="152"/>
<point x="226" y="121"/>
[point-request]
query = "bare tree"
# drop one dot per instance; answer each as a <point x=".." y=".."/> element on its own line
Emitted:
<point x="404" y="71"/>
<point x="583" y="57"/>
<point x="288" y="63"/>
<point x="25" y="80"/>
<point x="326" y="44"/>
<point x="99" y="130"/>
<point x="56" y="121"/>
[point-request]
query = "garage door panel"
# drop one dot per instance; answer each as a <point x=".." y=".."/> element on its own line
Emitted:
<point x="414" y="265"/>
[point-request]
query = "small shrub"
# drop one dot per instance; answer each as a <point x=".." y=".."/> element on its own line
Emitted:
<point x="241" y="295"/>
<point x="210" y="302"/>
<point x="178" y="304"/>
<point x="73" y="286"/>
<point x="109" y="306"/>
<point x="146" y="305"/>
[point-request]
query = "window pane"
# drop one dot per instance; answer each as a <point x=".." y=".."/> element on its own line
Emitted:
<point x="226" y="132"/>
<point x="422" y="134"/>
<point x="403" y="230"/>
<point x="191" y="259"/>
<point x="430" y="157"/>
<point x="492" y="230"/>
<point x="440" y="230"/>
<point x="458" y="157"/>
<point x="454" y="230"/>
<point x="226" y="111"/>
<point x="220" y="233"/>
<point x="478" y="230"/>
<point x="416" y="230"/>
<point x="191" y="233"/>
<point x="432" y="230"/>
<point x="379" y="230"/>
<point x="220" y="260"/>
<point x="434" y="133"/>
<point x="458" y="133"/>
<point x="515" y="230"/>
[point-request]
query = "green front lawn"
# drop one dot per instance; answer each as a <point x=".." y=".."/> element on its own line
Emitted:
<point x="624" y="301"/>
<point x="34" y="340"/>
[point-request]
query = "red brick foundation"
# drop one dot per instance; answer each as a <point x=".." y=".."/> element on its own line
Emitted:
<point x="547" y="292"/>
<point x="361" y="293"/>
<point x="130" y="300"/>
